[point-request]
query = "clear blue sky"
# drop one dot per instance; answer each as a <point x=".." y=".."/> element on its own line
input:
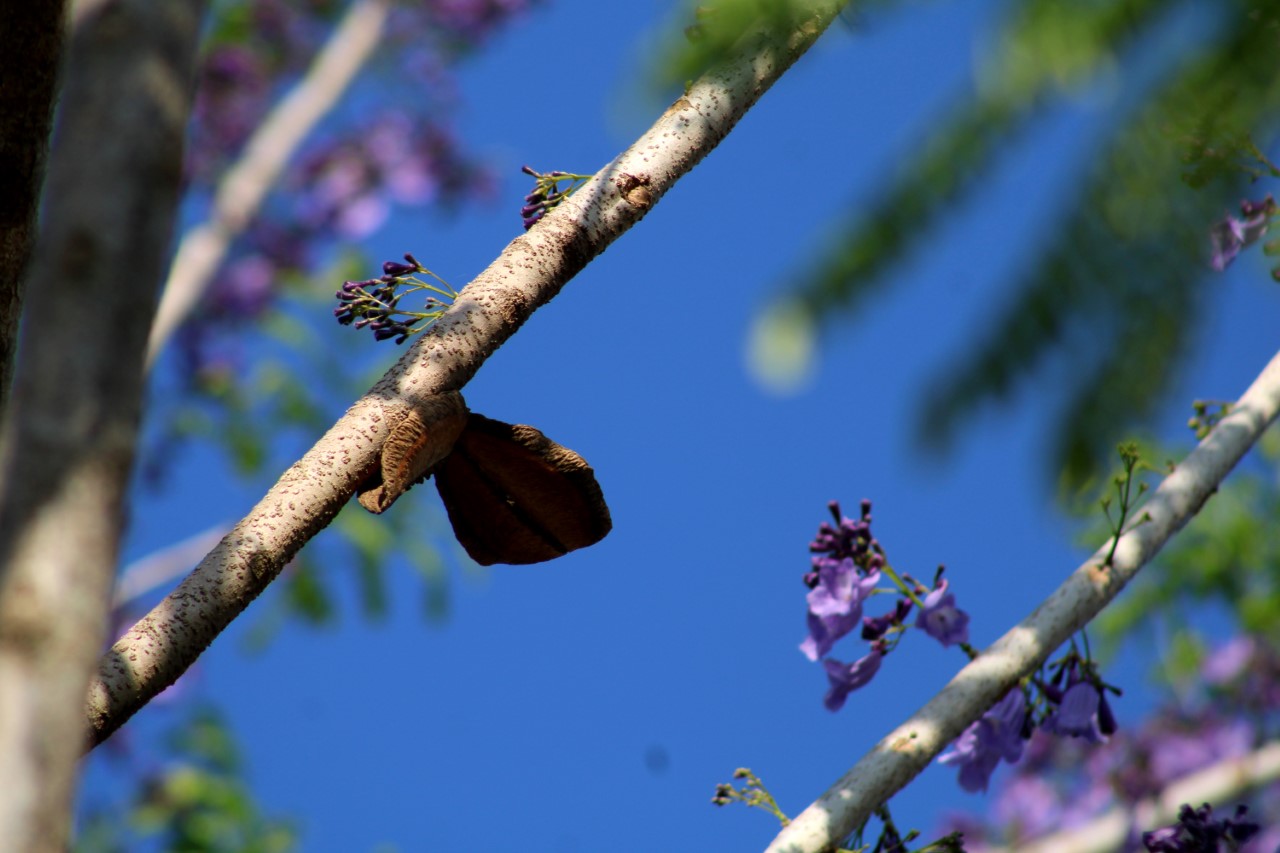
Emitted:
<point x="593" y="703"/>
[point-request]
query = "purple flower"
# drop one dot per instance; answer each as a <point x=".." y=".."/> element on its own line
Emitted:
<point x="1230" y="235"/>
<point x="941" y="619"/>
<point x="1030" y="805"/>
<point x="848" y="538"/>
<point x="1229" y="660"/>
<point x="997" y="735"/>
<point x="245" y="289"/>
<point x="873" y="628"/>
<point x="835" y="605"/>
<point x="1077" y="713"/>
<point x="846" y="678"/>
<point x="1196" y="831"/>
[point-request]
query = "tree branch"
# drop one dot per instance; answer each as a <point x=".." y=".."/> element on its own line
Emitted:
<point x="164" y="565"/>
<point x="247" y="182"/>
<point x="526" y="275"/>
<point x="904" y="752"/>
<point x="66" y="450"/>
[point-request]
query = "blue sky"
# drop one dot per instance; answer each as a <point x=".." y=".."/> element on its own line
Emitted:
<point x="594" y="702"/>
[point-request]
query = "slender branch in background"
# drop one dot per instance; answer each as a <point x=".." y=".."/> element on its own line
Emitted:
<point x="160" y="567"/>
<point x="268" y="151"/>
<point x="907" y="750"/>
<point x="1218" y="783"/>
<point x="66" y="450"/>
<point x="30" y="50"/>
<point x="526" y="275"/>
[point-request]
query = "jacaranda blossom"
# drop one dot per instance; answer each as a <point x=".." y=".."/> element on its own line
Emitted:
<point x="941" y="619"/>
<point x="848" y="677"/>
<point x="1196" y="831"/>
<point x="1230" y="235"/>
<point x="835" y="605"/>
<point x="997" y="735"/>
<point x="1077" y="713"/>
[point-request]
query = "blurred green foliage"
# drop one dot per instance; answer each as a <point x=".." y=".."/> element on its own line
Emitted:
<point x="1120" y="288"/>
<point x="194" y="801"/>
<point x="1226" y="561"/>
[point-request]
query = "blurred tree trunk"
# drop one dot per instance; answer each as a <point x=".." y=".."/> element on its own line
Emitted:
<point x="31" y="47"/>
<point x="68" y="436"/>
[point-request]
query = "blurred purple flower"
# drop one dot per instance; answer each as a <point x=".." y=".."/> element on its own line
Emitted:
<point x="1030" y="806"/>
<point x="1197" y="832"/>
<point x="362" y="216"/>
<point x="1077" y="713"/>
<point x="846" y="678"/>
<point x="232" y="95"/>
<point x="244" y="289"/>
<point x="941" y="619"/>
<point x="1228" y="236"/>
<point x="835" y="605"/>
<point x="1229" y="660"/>
<point x="1174" y="754"/>
<point x="472" y="19"/>
<point x="997" y="735"/>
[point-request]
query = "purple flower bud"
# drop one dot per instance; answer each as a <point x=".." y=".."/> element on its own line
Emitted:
<point x="873" y="628"/>
<point x="1196" y="831"/>
<point x="941" y="619"/>
<point x="394" y="270"/>
<point x="1228" y="236"/>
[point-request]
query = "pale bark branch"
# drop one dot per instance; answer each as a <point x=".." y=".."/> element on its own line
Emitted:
<point x="66" y="449"/>
<point x="907" y="750"/>
<point x="242" y="189"/>
<point x="525" y="276"/>
<point x="167" y="564"/>
<point x="1217" y="785"/>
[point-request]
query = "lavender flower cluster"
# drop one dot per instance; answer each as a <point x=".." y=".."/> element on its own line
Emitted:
<point x="1071" y="703"/>
<point x="1064" y="783"/>
<point x="356" y="170"/>
<point x="547" y="193"/>
<point x="847" y="566"/>
<point x="1228" y="236"/>
<point x="375" y="302"/>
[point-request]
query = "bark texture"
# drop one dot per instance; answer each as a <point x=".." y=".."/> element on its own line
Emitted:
<point x="67" y="444"/>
